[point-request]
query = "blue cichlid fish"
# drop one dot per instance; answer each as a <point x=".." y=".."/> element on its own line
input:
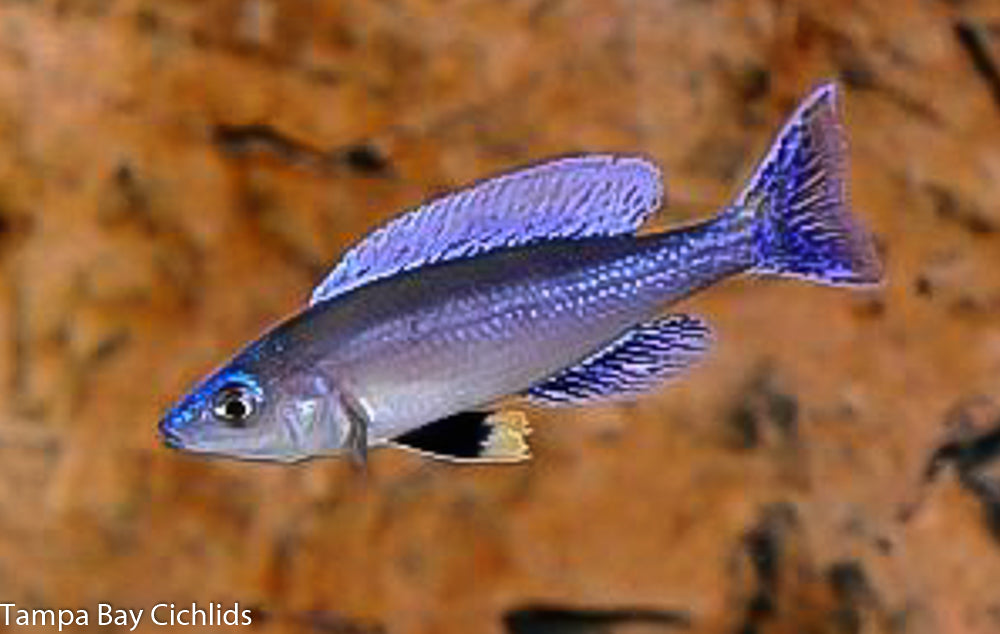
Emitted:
<point x="531" y="284"/>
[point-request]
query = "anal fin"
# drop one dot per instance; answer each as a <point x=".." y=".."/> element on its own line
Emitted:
<point x="636" y="362"/>
<point x="472" y="437"/>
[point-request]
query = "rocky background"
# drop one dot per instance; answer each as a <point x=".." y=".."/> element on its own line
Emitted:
<point x="175" y="175"/>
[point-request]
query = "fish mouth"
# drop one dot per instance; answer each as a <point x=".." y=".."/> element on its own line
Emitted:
<point x="170" y="437"/>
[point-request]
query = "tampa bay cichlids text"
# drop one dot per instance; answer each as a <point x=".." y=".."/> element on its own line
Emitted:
<point x="159" y="614"/>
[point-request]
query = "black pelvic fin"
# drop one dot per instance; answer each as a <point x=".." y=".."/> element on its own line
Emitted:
<point x="472" y="437"/>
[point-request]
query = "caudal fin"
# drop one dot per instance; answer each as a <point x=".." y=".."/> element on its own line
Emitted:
<point x="798" y="202"/>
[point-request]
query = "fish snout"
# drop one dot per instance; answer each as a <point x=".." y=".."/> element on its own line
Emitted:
<point x="169" y="435"/>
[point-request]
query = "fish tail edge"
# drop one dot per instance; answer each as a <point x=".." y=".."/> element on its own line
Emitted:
<point x="798" y="206"/>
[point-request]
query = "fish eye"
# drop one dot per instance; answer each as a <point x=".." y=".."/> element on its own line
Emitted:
<point x="234" y="404"/>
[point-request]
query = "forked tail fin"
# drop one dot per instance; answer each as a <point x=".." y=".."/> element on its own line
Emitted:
<point x="799" y="205"/>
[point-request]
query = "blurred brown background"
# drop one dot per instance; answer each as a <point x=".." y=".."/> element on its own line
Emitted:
<point x="175" y="175"/>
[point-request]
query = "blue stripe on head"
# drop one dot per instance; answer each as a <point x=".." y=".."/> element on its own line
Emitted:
<point x="201" y="400"/>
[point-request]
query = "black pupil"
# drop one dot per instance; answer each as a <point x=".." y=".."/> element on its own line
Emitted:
<point x="235" y="408"/>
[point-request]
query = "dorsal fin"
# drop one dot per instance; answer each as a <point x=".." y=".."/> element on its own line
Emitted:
<point x="636" y="362"/>
<point x="573" y="197"/>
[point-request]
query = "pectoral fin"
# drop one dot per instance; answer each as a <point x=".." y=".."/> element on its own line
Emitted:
<point x="472" y="437"/>
<point x="356" y="439"/>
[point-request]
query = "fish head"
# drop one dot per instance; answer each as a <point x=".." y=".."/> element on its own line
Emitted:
<point x="258" y="414"/>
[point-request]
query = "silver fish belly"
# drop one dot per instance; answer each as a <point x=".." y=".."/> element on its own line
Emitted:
<point x="532" y="284"/>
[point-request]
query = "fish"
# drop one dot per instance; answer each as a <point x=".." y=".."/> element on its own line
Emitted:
<point x="534" y="287"/>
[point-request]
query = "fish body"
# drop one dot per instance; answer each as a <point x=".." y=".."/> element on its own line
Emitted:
<point x="419" y="346"/>
<point x="531" y="284"/>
